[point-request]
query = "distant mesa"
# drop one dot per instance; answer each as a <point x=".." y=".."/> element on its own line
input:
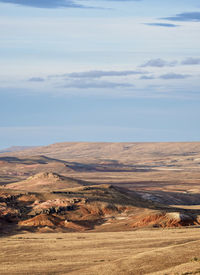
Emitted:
<point x="90" y="152"/>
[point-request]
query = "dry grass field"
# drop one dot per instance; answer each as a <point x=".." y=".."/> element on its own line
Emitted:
<point x="149" y="251"/>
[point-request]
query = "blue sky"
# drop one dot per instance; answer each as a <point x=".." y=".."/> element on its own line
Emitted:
<point x="99" y="71"/>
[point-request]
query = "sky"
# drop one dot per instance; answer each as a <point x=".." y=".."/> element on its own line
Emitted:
<point x="113" y="70"/>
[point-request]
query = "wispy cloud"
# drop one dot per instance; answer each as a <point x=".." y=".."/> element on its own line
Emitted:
<point x="87" y="84"/>
<point x="174" y="76"/>
<point x="99" y="74"/>
<point x="166" y="25"/>
<point x="159" y="63"/>
<point x="36" y="79"/>
<point x="191" y="61"/>
<point x="165" y="76"/>
<point x="147" y="77"/>
<point x="48" y="4"/>
<point x="185" y="16"/>
<point x="52" y="4"/>
<point x="91" y="79"/>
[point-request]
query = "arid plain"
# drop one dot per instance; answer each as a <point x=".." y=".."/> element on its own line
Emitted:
<point x="100" y="208"/>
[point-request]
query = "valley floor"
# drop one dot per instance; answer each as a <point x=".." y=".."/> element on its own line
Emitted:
<point x="144" y="251"/>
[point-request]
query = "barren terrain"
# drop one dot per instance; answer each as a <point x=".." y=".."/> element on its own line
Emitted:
<point x="118" y="208"/>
